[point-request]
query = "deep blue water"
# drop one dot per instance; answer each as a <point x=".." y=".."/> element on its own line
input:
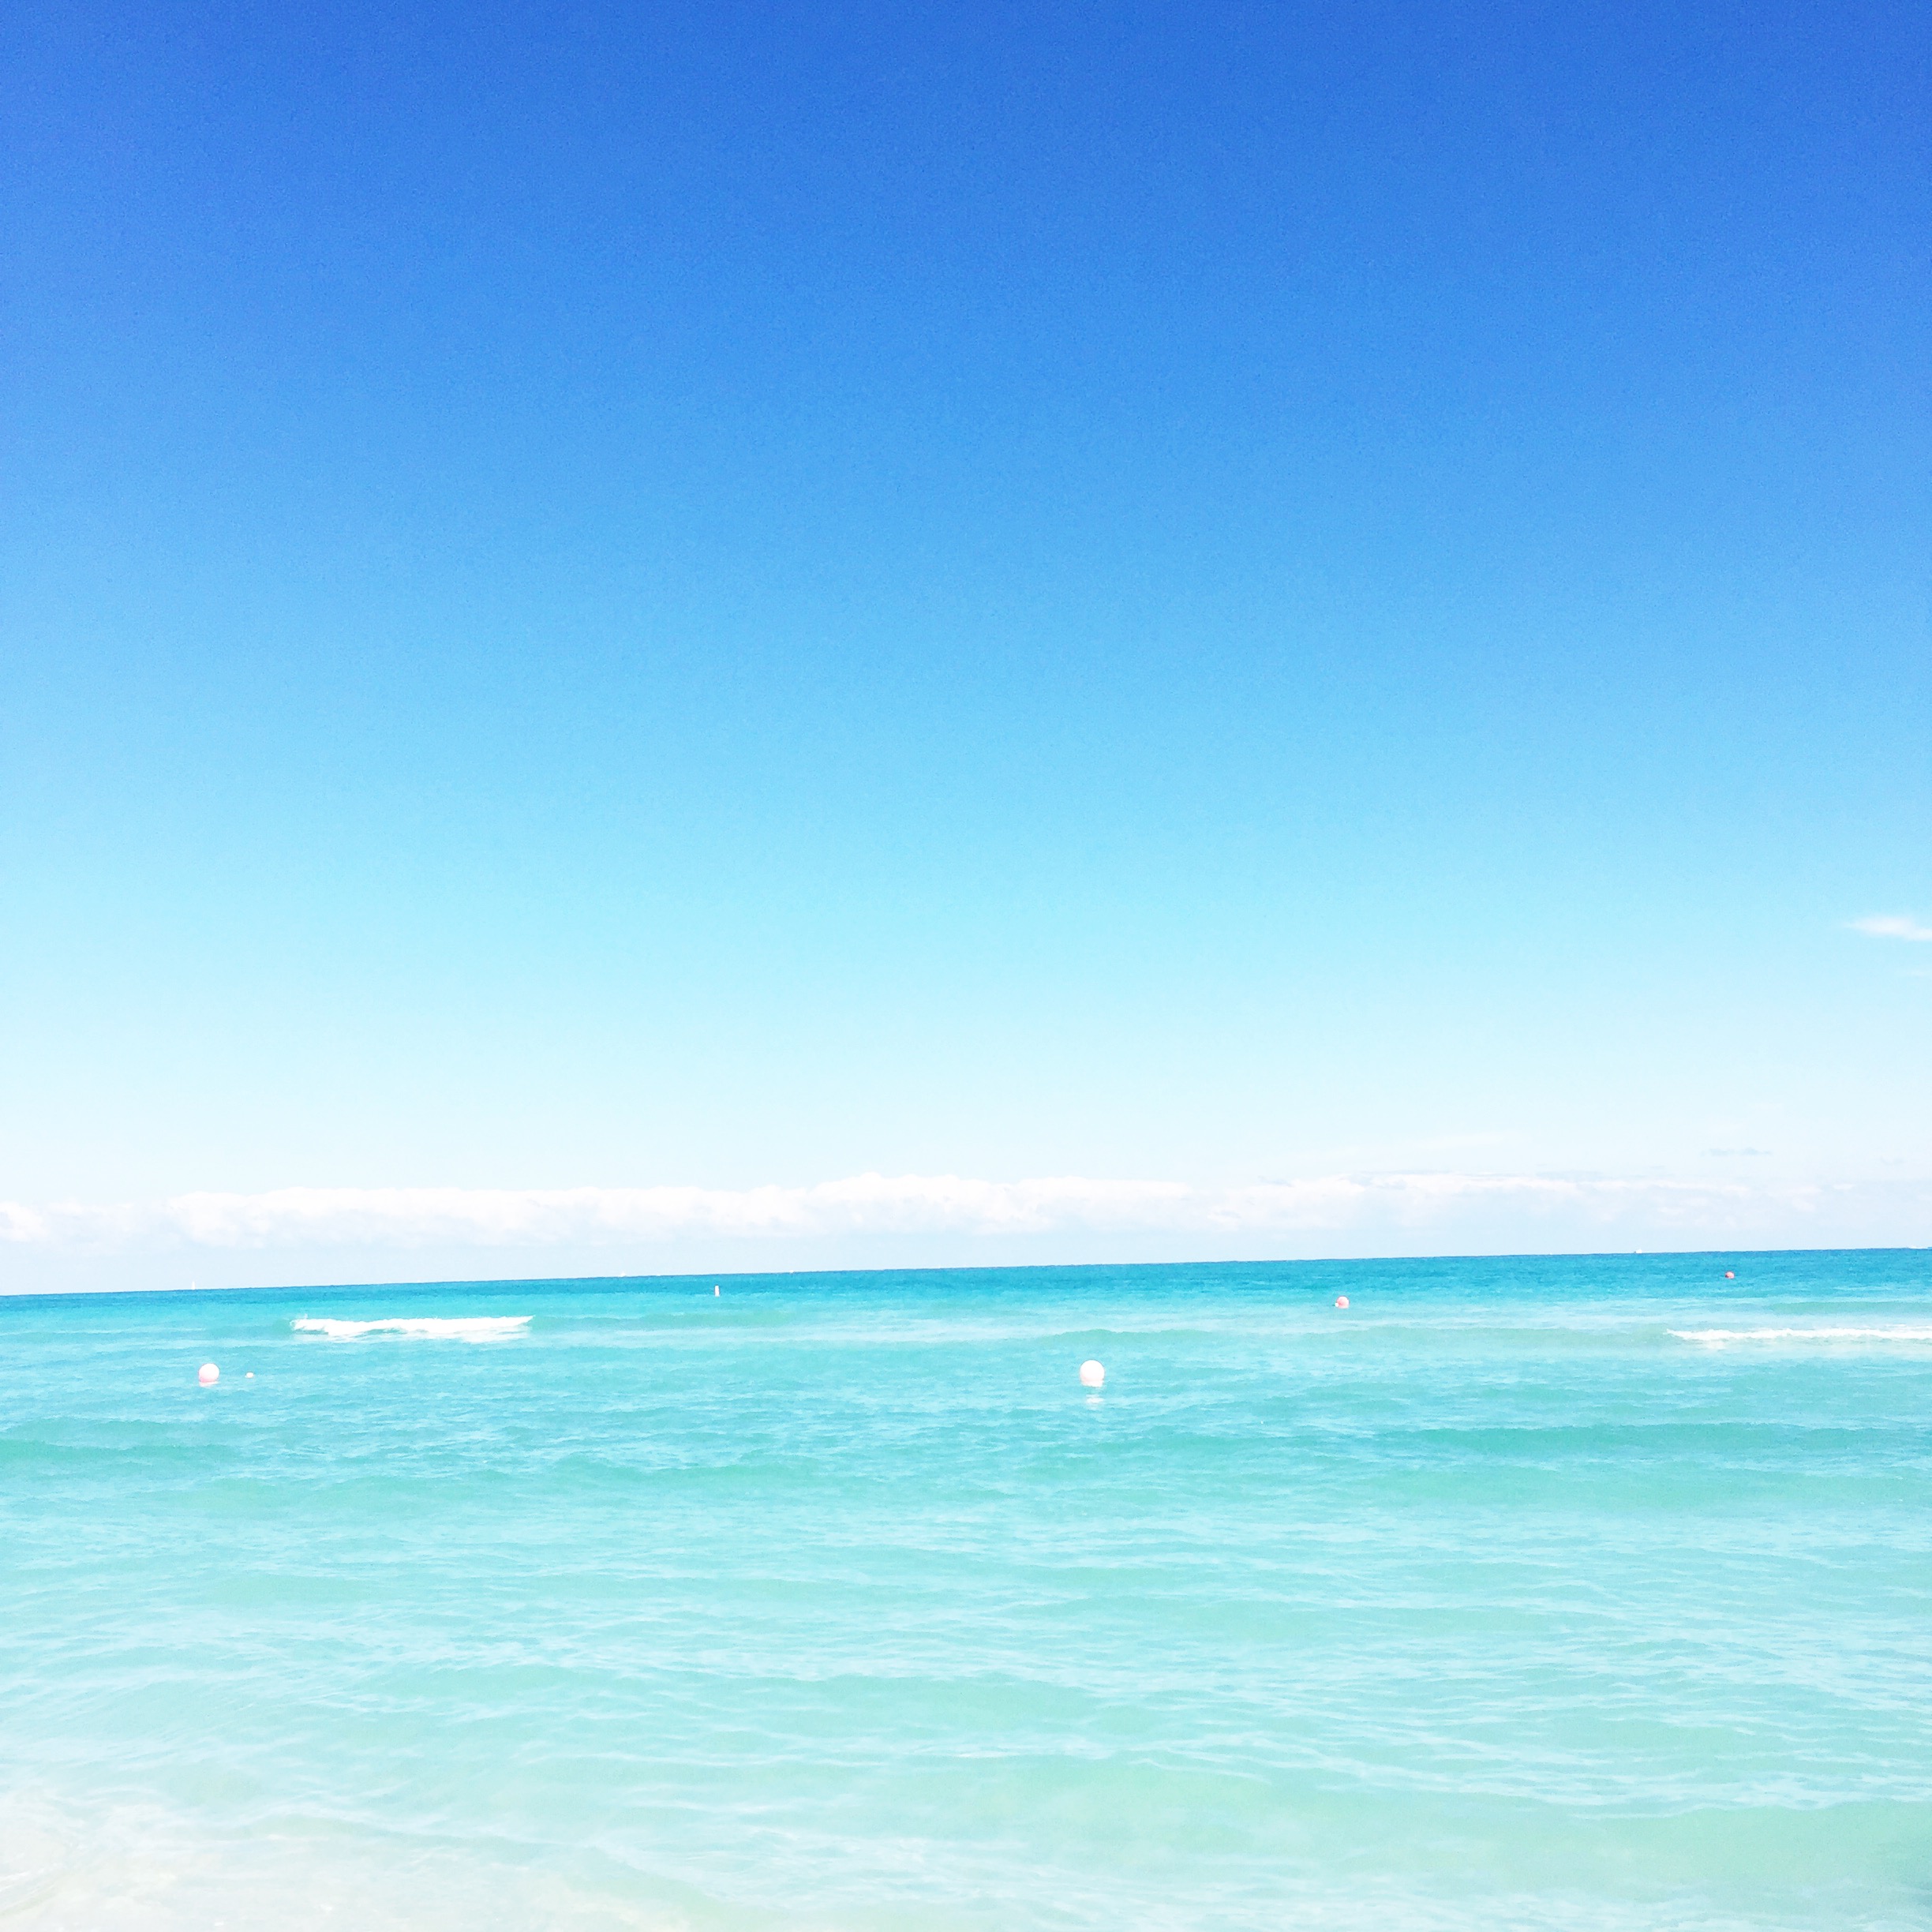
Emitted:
<point x="1576" y="1592"/>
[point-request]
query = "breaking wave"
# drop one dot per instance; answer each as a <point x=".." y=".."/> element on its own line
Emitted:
<point x="1722" y="1338"/>
<point x="426" y="1328"/>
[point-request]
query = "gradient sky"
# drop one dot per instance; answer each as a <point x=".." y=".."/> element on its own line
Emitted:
<point x="614" y="597"/>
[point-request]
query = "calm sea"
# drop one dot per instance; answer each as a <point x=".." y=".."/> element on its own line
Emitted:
<point x="1551" y="1593"/>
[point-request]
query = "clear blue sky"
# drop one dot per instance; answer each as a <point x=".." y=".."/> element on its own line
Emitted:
<point x="724" y="595"/>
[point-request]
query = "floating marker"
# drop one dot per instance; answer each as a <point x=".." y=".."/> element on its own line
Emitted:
<point x="1092" y="1375"/>
<point x="1730" y="1274"/>
<point x="1340" y="1300"/>
<point x="717" y="1290"/>
<point x="209" y="1375"/>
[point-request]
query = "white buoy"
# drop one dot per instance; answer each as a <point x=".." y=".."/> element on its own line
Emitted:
<point x="209" y="1375"/>
<point x="1340" y="1300"/>
<point x="717" y="1291"/>
<point x="1092" y="1375"/>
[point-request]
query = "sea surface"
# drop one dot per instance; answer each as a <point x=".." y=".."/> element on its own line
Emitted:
<point x="1584" y="1593"/>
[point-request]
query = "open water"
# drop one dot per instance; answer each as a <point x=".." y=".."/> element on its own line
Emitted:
<point x="1550" y="1593"/>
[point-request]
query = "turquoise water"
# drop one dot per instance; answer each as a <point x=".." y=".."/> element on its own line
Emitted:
<point x="835" y="1601"/>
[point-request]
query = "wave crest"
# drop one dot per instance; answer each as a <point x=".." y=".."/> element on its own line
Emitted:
<point x="427" y="1327"/>
<point x="1722" y="1338"/>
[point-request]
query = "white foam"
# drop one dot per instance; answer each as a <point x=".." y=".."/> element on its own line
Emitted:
<point x="1722" y="1338"/>
<point x="426" y="1328"/>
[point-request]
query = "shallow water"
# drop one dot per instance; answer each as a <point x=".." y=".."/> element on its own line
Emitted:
<point x="1542" y="1593"/>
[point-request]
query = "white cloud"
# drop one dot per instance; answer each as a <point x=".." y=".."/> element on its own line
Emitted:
<point x="1891" y="926"/>
<point x="637" y="1219"/>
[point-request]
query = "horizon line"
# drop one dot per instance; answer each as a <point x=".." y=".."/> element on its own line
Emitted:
<point x="1017" y="1267"/>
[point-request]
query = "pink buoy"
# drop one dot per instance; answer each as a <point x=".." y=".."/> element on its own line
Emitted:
<point x="209" y="1375"/>
<point x="1092" y="1375"/>
<point x="1340" y="1300"/>
<point x="1730" y="1274"/>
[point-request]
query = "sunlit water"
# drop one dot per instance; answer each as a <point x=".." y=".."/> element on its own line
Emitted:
<point x="1534" y="1594"/>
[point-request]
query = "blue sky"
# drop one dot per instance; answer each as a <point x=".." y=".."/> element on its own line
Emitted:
<point x="733" y="597"/>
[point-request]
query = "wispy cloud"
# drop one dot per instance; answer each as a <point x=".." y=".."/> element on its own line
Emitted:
<point x="576" y="1218"/>
<point x="1891" y="926"/>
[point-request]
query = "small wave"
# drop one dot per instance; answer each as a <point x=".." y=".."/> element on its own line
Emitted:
<point x="1721" y="1337"/>
<point x="428" y="1327"/>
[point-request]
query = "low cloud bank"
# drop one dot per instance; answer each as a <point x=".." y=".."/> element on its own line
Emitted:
<point x="1385" y="1212"/>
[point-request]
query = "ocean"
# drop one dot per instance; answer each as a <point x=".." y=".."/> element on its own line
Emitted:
<point x="1579" y="1593"/>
